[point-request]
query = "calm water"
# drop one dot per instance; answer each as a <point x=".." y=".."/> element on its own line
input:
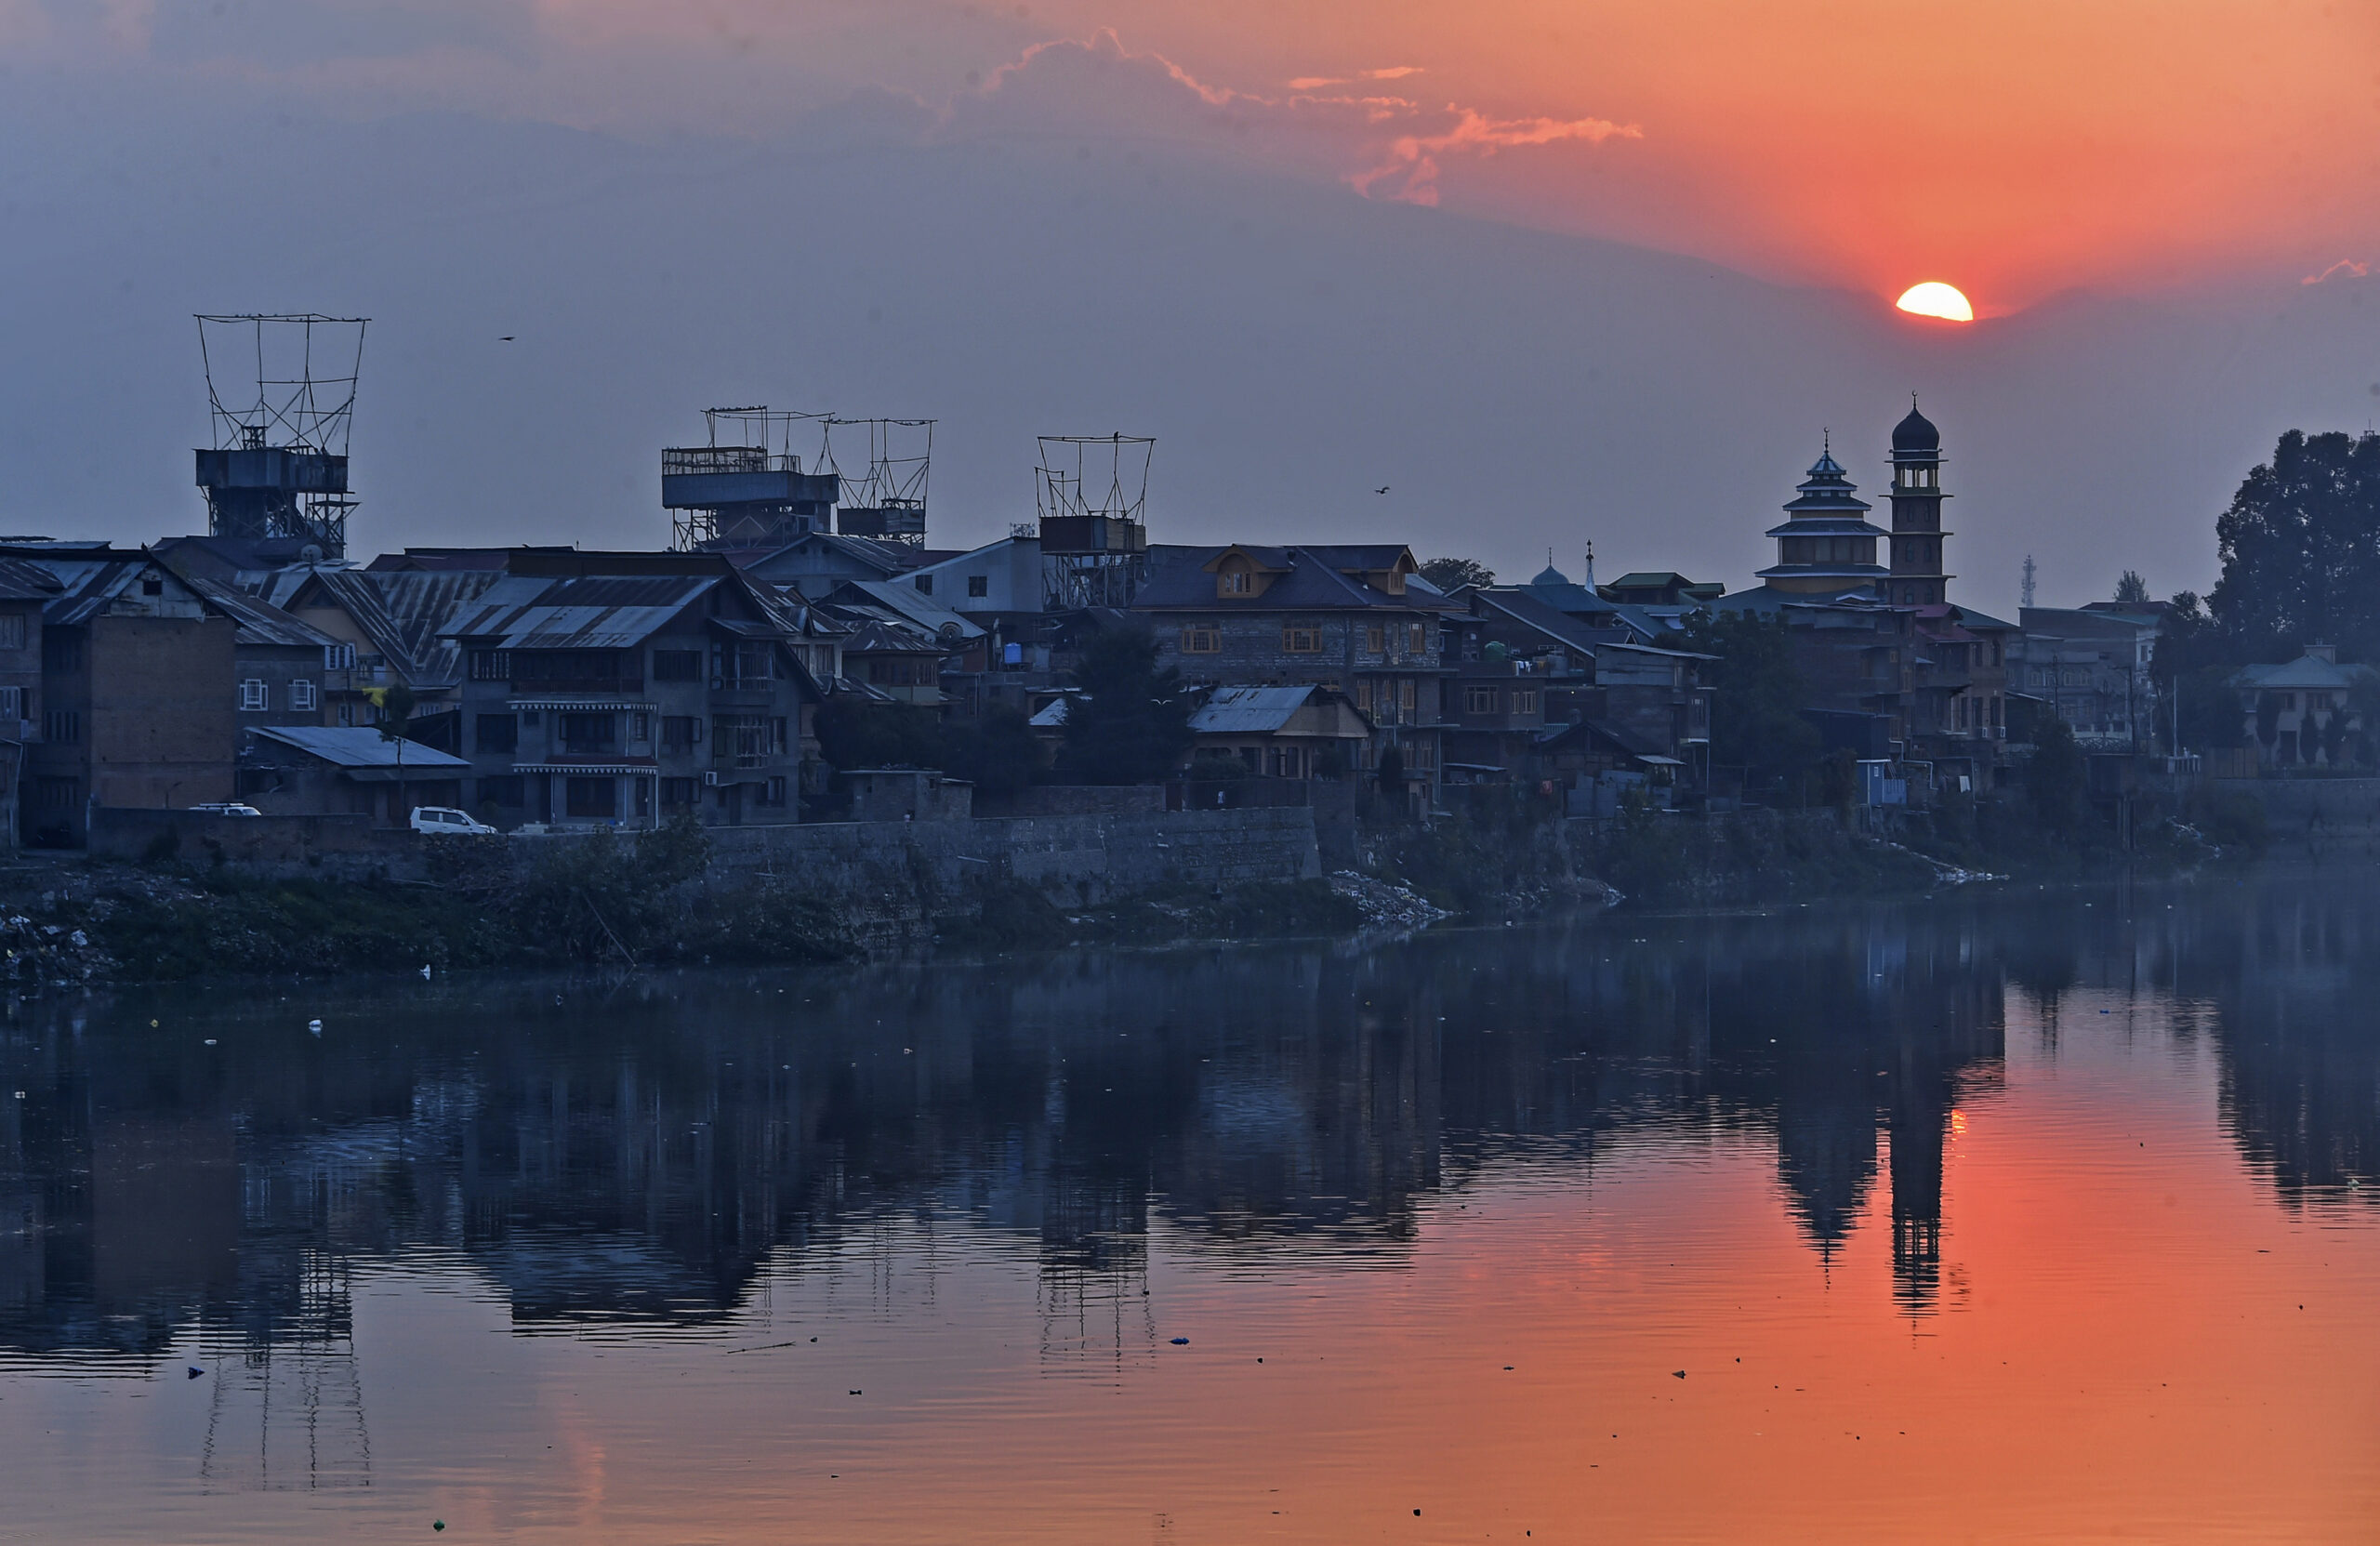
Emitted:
<point x="2046" y="1216"/>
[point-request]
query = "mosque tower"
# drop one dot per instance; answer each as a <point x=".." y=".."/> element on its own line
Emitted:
<point x="1917" y="535"/>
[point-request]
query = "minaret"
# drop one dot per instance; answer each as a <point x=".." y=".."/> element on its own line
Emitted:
<point x="1917" y="578"/>
<point x="1826" y="548"/>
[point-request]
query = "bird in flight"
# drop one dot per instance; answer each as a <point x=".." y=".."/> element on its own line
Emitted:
<point x="506" y="340"/>
<point x="1382" y="489"/>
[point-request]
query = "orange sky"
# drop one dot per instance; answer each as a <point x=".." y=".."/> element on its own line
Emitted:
<point x="2014" y="147"/>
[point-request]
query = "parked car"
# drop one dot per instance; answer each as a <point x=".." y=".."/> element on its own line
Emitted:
<point x="443" y="821"/>
<point x="228" y="808"/>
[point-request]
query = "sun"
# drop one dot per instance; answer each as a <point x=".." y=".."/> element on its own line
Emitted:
<point x="1935" y="298"/>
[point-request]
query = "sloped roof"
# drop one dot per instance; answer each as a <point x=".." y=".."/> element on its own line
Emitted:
<point x="1249" y="710"/>
<point x="913" y="604"/>
<point x="22" y="580"/>
<point x="591" y="612"/>
<point x="258" y="621"/>
<point x="89" y="579"/>
<point x="1314" y="583"/>
<point x="400" y="612"/>
<point x="360" y="747"/>
<point x="2305" y="672"/>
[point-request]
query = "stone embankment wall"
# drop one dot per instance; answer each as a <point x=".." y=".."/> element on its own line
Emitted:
<point x="1075" y="860"/>
<point x="907" y="868"/>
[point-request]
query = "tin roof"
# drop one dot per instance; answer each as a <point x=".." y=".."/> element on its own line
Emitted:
<point x="258" y="621"/>
<point x="1249" y="710"/>
<point x="594" y="611"/>
<point x="360" y="747"/>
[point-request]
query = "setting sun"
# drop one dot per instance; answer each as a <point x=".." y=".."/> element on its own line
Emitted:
<point x="1935" y="298"/>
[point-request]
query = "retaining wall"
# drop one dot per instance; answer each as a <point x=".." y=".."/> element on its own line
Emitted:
<point x="332" y="847"/>
<point x="2294" y="806"/>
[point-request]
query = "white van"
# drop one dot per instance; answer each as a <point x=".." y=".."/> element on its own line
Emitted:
<point x="441" y="821"/>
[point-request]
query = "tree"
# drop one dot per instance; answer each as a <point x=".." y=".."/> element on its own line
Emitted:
<point x="2131" y="590"/>
<point x="396" y="705"/>
<point x="2301" y="550"/>
<point x="858" y="733"/>
<point x="2056" y="776"/>
<point x="1391" y="771"/>
<point x="997" y="752"/>
<point x="2267" y="719"/>
<point x="1131" y="724"/>
<point x="1757" y="695"/>
<point x="1452" y="574"/>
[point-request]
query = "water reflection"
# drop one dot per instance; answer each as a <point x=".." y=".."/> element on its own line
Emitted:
<point x="627" y="1159"/>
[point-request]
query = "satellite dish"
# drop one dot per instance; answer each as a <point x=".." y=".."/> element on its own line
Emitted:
<point x="311" y="553"/>
<point x="948" y="633"/>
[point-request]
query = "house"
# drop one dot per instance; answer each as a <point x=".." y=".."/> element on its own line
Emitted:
<point x="1293" y="732"/>
<point x="1958" y="707"/>
<point x="1665" y="589"/>
<point x="816" y="562"/>
<point x="1342" y="618"/>
<point x="617" y="688"/>
<point x="384" y="626"/>
<point x="139" y="694"/>
<point x="25" y="588"/>
<point x="2091" y="668"/>
<point x="279" y="661"/>
<point x="1000" y="580"/>
<point x="2309" y="711"/>
<point x="340" y="770"/>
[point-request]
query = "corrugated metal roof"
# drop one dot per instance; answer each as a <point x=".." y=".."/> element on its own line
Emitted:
<point x="1248" y="711"/>
<point x="88" y="581"/>
<point x="600" y="611"/>
<point x="23" y="581"/>
<point x="360" y="747"/>
<point x="259" y="621"/>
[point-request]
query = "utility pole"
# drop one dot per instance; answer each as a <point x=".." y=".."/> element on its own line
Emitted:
<point x="2026" y="595"/>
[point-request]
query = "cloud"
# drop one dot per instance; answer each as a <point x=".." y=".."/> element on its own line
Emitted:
<point x="1316" y="82"/>
<point x="2346" y="265"/>
<point x="1383" y="146"/>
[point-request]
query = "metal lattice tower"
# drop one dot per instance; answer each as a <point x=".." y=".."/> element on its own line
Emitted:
<point x="888" y="500"/>
<point x="746" y="488"/>
<point x="1092" y="492"/>
<point x="280" y="401"/>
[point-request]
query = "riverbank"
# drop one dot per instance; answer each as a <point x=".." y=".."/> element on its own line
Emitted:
<point x="683" y="896"/>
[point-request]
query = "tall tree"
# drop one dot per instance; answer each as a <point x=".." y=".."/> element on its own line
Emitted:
<point x="1758" y="694"/>
<point x="2301" y="550"/>
<point x="2130" y="589"/>
<point x="1452" y="574"/>
<point x="1131" y="724"/>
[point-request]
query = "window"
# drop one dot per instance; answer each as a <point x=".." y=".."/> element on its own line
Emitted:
<point x="681" y="733"/>
<point x="977" y="584"/>
<point x="776" y="736"/>
<point x="903" y="673"/>
<point x="12" y="630"/>
<point x="496" y="734"/>
<point x="594" y="666"/>
<point x="590" y="734"/>
<point x="1479" y="700"/>
<point x="346" y="713"/>
<point x="252" y="695"/>
<point x="153" y="587"/>
<point x="1417" y="640"/>
<point x="1233" y="582"/>
<point x="1420" y="753"/>
<point x="680" y="791"/>
<point x="486" y="665"/>
<point x="1376" y="639"/>
<point x="61" y="727"/>
<point x="591" y="797"/>
<point x="1202" y="639"/>
<point x="640" y="727"/>
<point x="58" y="794"/>
<point x="12" y="705"/>
<point x="504" y="791"/>
<point x="1524" y="700"/>
<point x="301" y="694"/>
<point x="773" y="793"/>
<point x="1300" y="639"/>
<point x="339" y="657"/>
<point x="677" y="665"/>
<point x="1404" y="695"/>
<point x="745" y="661"/>
<point x="740" y="739"/>
<point x="1365" y="688"/>
<point x="924" y="583"/>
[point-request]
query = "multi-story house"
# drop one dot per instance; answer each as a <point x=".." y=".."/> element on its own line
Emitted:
<point x="137" y="703"/>
<point x="278" y="661"/>
<point x="1958" y="708"/>
<point x="2091" y="668"/>
<point x="1339" y="617"/>
<point x="617" y="688"/>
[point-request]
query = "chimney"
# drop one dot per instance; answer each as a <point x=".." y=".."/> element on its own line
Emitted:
<point x="2327" y="654"/>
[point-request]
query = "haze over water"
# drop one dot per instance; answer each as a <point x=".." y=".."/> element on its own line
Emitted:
<point x="2044" y="1215"/>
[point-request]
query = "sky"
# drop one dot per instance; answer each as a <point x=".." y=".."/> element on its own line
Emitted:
<point x="1552" y="274"/>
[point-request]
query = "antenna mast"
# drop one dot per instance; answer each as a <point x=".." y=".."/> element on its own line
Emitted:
<point x="1092" y="491"/>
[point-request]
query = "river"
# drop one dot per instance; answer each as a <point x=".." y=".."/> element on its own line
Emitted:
<point x="2009" y="1216"/>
